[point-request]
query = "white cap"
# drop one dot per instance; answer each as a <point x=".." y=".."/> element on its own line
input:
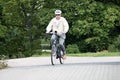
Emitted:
<point x="58" y="11"/>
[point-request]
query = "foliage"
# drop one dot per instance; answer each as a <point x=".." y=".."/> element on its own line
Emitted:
<point x="72" y="48"/>
<point x="94" y="24"/>
<point x="3" y="30"/>
<point x="19" y="30"/>
<point x="112" y="48"/>
<point x="117" y="43"/>
<point x="112" y="1"/>
<point x="115" y="47"/>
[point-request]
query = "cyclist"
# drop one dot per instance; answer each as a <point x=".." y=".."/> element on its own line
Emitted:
<point x="60" y="25"/>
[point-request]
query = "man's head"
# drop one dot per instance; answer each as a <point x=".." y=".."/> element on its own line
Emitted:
<point x="58" y="14"/>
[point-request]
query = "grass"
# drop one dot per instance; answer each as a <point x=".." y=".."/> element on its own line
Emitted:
<point x="98" y="54"/>
<point x="42" y="55"/>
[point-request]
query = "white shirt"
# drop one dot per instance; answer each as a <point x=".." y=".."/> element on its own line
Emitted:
<point x="61" y="25"/>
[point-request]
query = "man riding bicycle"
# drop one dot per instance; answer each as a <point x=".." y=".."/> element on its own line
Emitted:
<point x="60" y="25"/>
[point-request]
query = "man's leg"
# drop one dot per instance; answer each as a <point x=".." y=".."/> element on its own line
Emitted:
<point x="61" y="42"/>
<point x="53" y="38"/>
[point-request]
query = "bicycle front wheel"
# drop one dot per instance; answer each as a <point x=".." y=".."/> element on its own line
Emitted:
<point x="53" y="55"/>
<point x="60" y="58"/>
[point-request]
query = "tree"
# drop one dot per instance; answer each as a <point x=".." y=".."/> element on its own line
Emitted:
<point x="112" y="1"/>
<point x="93" y="28"/>
<point x="20" y="20"/>
<point x="94" y="24"/>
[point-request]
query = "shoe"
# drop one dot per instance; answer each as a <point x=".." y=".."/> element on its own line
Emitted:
<point x="64" y="57"/>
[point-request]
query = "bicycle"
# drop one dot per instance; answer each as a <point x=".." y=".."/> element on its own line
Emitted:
<point x="56" y="51"/>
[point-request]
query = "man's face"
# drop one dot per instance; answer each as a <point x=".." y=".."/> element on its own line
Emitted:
<point x="58" y="16"/>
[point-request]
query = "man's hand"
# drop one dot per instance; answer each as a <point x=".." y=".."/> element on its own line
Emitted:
<point x="47" y="32"/>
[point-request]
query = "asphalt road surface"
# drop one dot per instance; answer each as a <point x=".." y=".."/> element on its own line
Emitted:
<point x="74" y="68"/>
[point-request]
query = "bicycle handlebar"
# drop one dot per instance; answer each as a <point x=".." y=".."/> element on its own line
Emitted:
<point x="50" y="33"/>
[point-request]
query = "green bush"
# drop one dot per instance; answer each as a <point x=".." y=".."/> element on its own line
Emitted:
<point x="73" y="48"/>
<point x="112" y="48"/>
<point x="115" y="47"/>
<point x="117" y="43"/>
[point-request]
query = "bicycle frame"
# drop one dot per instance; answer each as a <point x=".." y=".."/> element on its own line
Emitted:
<point x="58" y="48"/>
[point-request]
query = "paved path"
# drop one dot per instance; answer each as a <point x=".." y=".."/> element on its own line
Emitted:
<point x="74" y="68"/>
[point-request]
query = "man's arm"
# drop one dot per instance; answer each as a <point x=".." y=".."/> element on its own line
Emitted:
<point x="49" y="27"/>
<point x="66" y="26"/>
